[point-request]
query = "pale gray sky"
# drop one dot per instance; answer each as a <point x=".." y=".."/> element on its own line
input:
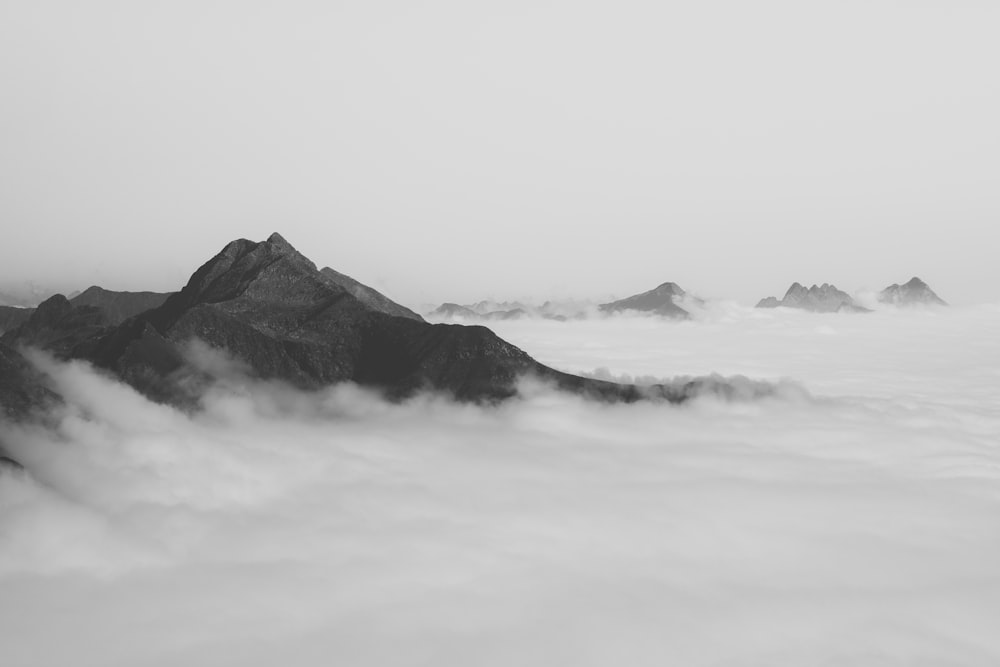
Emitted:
<point x="461" y="150"/>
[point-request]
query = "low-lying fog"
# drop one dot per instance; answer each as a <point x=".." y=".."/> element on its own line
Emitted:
<point x="851" y="519"/>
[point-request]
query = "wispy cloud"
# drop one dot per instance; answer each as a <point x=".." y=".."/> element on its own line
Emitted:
<point x="855" y="524"/>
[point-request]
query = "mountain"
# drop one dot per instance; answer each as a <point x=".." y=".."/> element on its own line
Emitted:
<point x="22" y="388"/>
<point x="271" y="309"/>
<point x="913" y="293"/>
<point x="824" y="298"/>
<point x="12" y="317"/>
<point x="454" y="310"/>
<point x="369" y="296"/>
<point x="58" y="326"/>
<point x="661" y="301"/>
<point x="119" y="306"/>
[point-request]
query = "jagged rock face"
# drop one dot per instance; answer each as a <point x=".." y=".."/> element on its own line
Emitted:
<point x="12" y="317"/>
<point x="660" y="301"/>
<point x="58" y="326"/>
<point x="915" y="292"/>
<point x="119" y="306"/>
<point x="823" y="298"/>
<point x="369" y="296"/>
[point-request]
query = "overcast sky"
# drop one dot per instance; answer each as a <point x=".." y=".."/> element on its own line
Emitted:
<point x="462" y="150"/>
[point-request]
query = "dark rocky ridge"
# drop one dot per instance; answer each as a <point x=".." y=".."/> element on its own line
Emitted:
<point x="58" y="326"/>
<point x="22" y="388"/>
<point x="823" y="298"/>
<point x="270" y="308"/>
<point x="915" y="292"/>
<point x="119" y="306"/>
<point x="661" y="301"/>
<point x="12" y="317"/>
<point x="369" y="296"/>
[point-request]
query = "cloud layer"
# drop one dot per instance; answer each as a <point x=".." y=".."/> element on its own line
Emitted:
<point x="851" y="524"/>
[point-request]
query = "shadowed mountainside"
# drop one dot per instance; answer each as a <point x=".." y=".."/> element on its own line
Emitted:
<point x="369" y="296"/>
<point x="660" y="300"/>
<point x="915" y="292"/>
<point x="12" y="317"/>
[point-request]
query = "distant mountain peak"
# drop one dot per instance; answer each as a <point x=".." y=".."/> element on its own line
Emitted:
<point x="278" y="241"/>
<point x="915" y="292"/>
<point x="825" y="298"/>
<point x="669" y="288"/>
<point x="660" y="300"/>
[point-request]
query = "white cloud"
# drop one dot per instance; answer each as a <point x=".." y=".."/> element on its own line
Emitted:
<point x="857" y="526"/>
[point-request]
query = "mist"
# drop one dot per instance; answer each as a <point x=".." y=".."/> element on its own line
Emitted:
<point x="730" y="148"/>
<point x="848" y="517"/>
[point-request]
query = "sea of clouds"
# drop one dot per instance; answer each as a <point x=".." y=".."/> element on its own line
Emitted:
<point x="850" y="517"/>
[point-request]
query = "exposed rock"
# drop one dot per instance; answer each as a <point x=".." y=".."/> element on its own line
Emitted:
<point x="119" y="306"/>
<point x="913" y="293"/>
<point x="823" y="298"/>
<point x="369" y="296"/>
<point x="661" y="301"/>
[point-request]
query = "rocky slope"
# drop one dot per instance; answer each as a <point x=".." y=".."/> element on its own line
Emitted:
<point x="915" y="292"/>
<point x="823" y="298"/>
<point x="661" y="301"/>
<point x="12" y="317"/>
<point x="369" y="296"/>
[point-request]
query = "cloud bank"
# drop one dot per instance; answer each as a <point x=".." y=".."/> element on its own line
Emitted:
<point x="853" y="524"/>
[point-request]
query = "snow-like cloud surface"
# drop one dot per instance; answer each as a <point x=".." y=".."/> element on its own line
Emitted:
<point x="853" y="524"/>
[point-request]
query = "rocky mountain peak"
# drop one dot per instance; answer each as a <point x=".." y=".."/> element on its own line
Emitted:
<point x="915" y="292"/>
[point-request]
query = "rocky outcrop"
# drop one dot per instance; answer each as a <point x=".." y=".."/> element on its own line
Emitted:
<point x="660" y="301"/>
<point x="823" y="298"/>
<point x="915" y="292"/>
<point x="369" y="296"/>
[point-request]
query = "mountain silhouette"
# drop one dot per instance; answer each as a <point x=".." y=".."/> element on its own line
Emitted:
<point x="915" y="292"/>
<point x="660" y="300"/>
<point x="823" y="298"/>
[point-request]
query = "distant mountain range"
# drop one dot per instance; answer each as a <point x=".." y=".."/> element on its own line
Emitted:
<point x="661" y="300"/>
<point x="671" y="301"/>
<point x="823" y="298"/>
<point x="826" y="298"/>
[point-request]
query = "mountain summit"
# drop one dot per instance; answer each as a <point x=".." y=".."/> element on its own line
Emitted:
<point x="915" y="292"/>
<point x="660" y="300"/>
<point x="823" y="298"/>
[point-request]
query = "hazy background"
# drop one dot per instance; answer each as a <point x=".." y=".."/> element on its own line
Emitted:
<point x="457" y="151"/>
<point x="850" y="519"/>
